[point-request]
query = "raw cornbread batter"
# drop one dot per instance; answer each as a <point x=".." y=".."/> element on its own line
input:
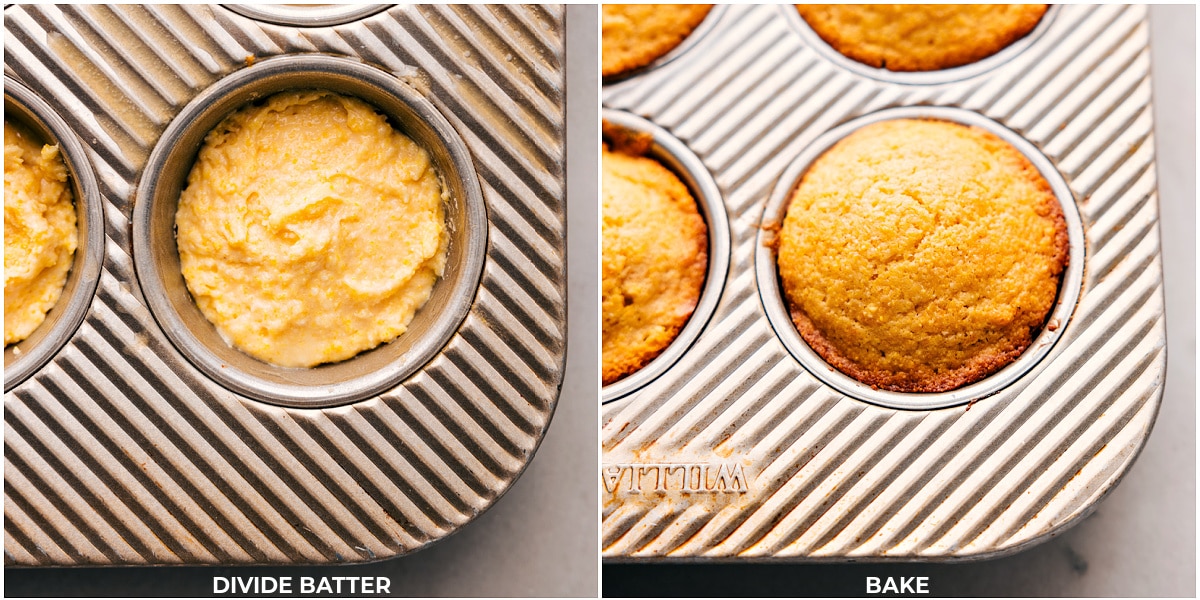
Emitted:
<point x="310" y="229"/>
<point x="39" y="231"/>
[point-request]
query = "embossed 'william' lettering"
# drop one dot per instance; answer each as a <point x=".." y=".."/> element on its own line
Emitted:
<point x="649" y="478"/>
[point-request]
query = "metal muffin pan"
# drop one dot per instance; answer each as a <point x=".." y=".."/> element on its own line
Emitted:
<point x="156" y="257"/>
<point x="776" y="308"/>
<point x="121" y="450"/>
<point x="738" y="452"/>
<point x="674" y="155"/>
<point x="27" y="356"/>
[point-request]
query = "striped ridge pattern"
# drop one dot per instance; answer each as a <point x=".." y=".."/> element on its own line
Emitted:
<point x="120" y="452"/>
<point x="826" y="477"/>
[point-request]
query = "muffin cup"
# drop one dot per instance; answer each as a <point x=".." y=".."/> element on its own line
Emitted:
<point x="371" y="372"/>
<point x="775" y="304"/>
<point x="306" y="15"/>
<point x="693" y="38"/>
<point x="953" y="74"/>
<point x="27" y="356"/>
<point x="675" y="155"/>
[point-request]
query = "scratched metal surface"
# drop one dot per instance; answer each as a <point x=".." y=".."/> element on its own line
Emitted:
<point x="119" y="451"/>
<point x="782" y="466"/>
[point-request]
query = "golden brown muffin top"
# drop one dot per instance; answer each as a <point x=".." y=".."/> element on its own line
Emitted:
<point x="921" y="255"/>
<point x="655" y="259"/>
<point x="634" y="35"/>
<point x="920" y="37"/>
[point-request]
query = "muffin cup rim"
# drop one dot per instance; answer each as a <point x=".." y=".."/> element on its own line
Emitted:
<point x="275" y="14"/>
<point x="63" y="320"/>
<point x="711" y="204"/>
<point x="285" y="387"/>
<point x="1026" y="364"/>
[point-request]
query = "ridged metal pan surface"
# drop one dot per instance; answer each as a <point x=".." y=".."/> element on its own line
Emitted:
<point x="739" y="453"/>
<point x="121" y="451"/>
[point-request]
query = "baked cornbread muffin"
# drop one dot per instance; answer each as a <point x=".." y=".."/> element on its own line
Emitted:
<point x="921" y="255"/>
<point x="310" y="230"/>
<point x="655" y="258"/>
<point x="920" y="37"/>
<point x="40" y="236"/>
<point x="634" y="35"/>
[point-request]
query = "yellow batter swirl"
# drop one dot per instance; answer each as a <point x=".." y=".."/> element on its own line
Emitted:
<point x="310" y="229"/>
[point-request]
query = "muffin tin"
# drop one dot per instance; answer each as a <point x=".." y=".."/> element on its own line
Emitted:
<point x="745" y="450"/>
<point x="145" y="439"/>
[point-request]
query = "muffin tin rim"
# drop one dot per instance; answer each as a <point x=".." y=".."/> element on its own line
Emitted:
<point x="356" y="388"/>
<point x="712" y="206"/>
<point x="326" y="15"/>
<point x="1030" y="361"/>
<point x="950" y="75"/>
<point x="70" y="311"/>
